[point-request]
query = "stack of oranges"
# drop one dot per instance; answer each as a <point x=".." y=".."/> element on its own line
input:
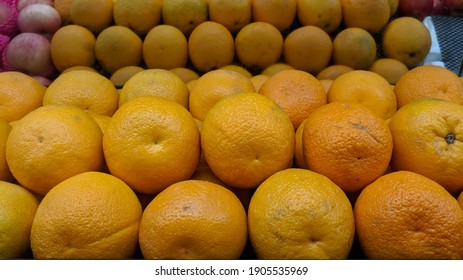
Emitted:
<point x="223" y="135"/>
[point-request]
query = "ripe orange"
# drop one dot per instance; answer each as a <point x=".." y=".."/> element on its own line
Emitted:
<point x="275" y="68"/>
<point x="258" y="45"/>
<point x="259" y="80"/>
<point x="367" y="88"/>
<point x="426" y="135"/>
<point x="238" y="68"/>
<point x="92" y="215"/>
<point x="210" y="46"/>
<point x="331" y="72"/>
<point x="210" y="223"/>
<point x="324" y="14"/>
<point x="19" y="95"/>
<point x="245" y="138"/>
<point x="150" y="143"/>
<point x="299" y="214"/>
<point x="348" y="143"/>
<point x="428" y="81"/>
<point x="87" y="90"/>
<point x="5" y="173"/>
<point x="186" y="74"/>
<point x="117" y="47"/>
<point x="122" y="75"/>
<point x="279" y="13"/>
<point x="72" y="45"/>
<point x="64" y="10"/>
<point x="389" y="68"/>
<point x="17" y="209"/>
<point x="234" y="15"/>
<point x="140" y="15"/>
<point x="308" y="48"/>
<point x="404" y="215"/>
<point x="371" y="16"/>
<point x="51" y="144"/>
<point x="156" y="82"/>
<point x="406" y="39"/>
<point x="297" y="92"/>
<point x="354" y="47"/>
<point x="184" y="14"/>
<point x="299" y="159"/>
<point x="213" y="86"/>
<point x="95" y="15"/>
<point x="165" y="47"/>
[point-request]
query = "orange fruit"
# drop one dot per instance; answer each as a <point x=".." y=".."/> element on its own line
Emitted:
<point x="426" y="135"/>
<point x="275" y="68"/>
<point x="297" y="92"/>
<point x="367" y="88"/>
<point x="326" y="83"/>
<point x="101" y="120"/>
<point x="5" y="173"/>
<point x="245" y="138"/>
<point x="210" y="223"/>
<point x="95" y="15"/>
<point x="348" y="143"/>
<point x="299" y="159"/>
<point x="210" y="46"/>
<point x="331" y="72"/>
<point x="324" y="14"/>
<point x="122" y="75"/>
<point x="406" y="39"/>
<point x="371" y="16"/>
<point x="19" y="95"/>
<point x="51" y="144"/>
<point x="79" y="67"/>
<point x="87" y="90"/>
<point x="281" y="228"/>
<point x="17" y="208"/>
<point x="117" y="47"/>
<point x="354" y="47"/>
<point x="238" y="68"/>
<point x="64" y="10"/>
<point x="91" y="215"/>
<point x="72" y="45"/>
<point x="393" y="7"/>
<point x="389" y="68"/>
<point x="213" y="86"/>
<point x="258" y="45"/>
<point x="157" y="82"/>
<point x="165" y="47"/>
<point x="308" y="48"/>
<point x="186" y="74"/>
<point x="184" y="14"/>
<point x="428" y="81"/>
<point x="404" y="215"/>
<point x="140" y="16"/>
<point x="280" y="14"/>
<point x="234" y="15"/>
<point x="150" y="143"/>
<point x="259" y="80"/>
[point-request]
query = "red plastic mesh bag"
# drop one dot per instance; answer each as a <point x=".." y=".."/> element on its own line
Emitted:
<point x="10" y="27"/>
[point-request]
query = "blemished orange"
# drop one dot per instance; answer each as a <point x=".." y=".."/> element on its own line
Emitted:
<point x="259" y="45"/>
<point x="51" y="144"/>
<point x="186" y="74"/>
<point x="213" y="86"/>
<point x="165" y="47"/>
<point x="150" y="143"/>
<point x="19" y="95"/>
<point x="308" y="48"/>
<point x="371" y="16"/>
<point x="406" y="39"/>
<point x="354" y="47"/>
<point x="92" y="215"/>
<point x="156" y="82"/>
<point x="210" y="46"/>
<point x="17" y="208"/>
<point x="237" y="68"/>
<point x="297" y="92"/>
<point x="259" y="80"/>
<point x="426" y="135"/>
<point x="367" y="88"/>
<point x="348" y="143"/>
<point x="140" y="16"/>
<point x="118" y="46"/>
<point x="5" y="173"/>
<point x="234" y="15"/>
<point x="210" y="223"/>
<point x="404" y="215"/>
<point x="331" y="72"/>
<point x="279" y="13"/>
<point x="324" y="14"/>
<point x="281" y="228"/>
<point x="275" y="68"/>
<point x="389" y="68"/>
<point x="428" y="81"/>
<point x="122" y="75"/>
<point x="245" y="138"/>
<point x="95" y="15"/>
<point x="90" y="91"/>
<point x="184" y="14"/>
<point x="72" y="45"/>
